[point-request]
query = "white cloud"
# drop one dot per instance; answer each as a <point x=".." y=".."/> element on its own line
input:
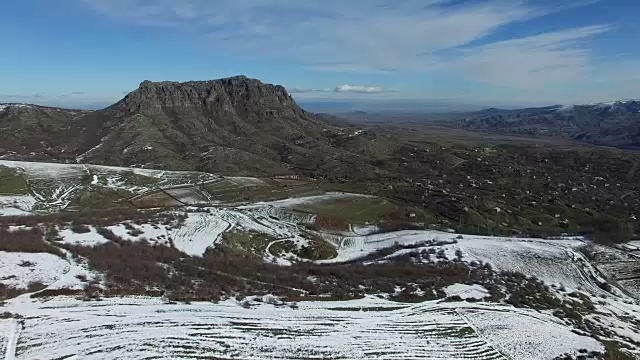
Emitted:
<point x="528" y="62"/>
<point x="294" y="90"/>
<point x="378" y="36"/>
<point x="358" y="89"/>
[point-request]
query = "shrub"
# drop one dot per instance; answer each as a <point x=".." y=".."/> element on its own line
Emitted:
<point x="56" y="292"/>
<point x="29" y="241"/>
<point x="109" y="235"/>
<point x="605" y="286"/>
<point x="80" y="228"/>
<point x="610" y="230"/>
<point x="7" y="292"/>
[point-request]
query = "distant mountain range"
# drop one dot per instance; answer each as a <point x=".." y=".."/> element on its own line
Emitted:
<point x="614" y="123"/>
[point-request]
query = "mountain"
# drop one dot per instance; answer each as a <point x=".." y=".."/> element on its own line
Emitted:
<point x="221" y="125"/>
<point x="612" y="124"/>
<point x="231" y="125"/>
<point x="37" y="132"/>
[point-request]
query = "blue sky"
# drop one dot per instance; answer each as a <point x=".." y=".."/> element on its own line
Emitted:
<point x="88" y="53"/>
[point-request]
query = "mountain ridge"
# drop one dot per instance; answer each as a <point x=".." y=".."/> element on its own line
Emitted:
<point x="615" y="123"/>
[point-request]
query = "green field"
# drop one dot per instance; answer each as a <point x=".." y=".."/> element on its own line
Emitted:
<point x="361" y="210"/>
<point x="243" y="242"/>
<point x="12" y="182"/>
<point x="227" y="190"/>
<point x="317" y="249"/>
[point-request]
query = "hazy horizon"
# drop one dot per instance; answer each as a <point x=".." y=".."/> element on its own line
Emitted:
<point x="88" y="53"/>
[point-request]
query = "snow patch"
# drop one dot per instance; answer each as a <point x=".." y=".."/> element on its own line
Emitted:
<point x="91" y="238"/>
<point x="246" y="181"/>
<point x="4" y="107"/>
<point x="152" y="233"/>
<point x="464" y="291"/>
<point x="525" y="336"/>
<point x="305" y="200"/>
<point x="18" y="270"/>
<point x="11" y="205"/>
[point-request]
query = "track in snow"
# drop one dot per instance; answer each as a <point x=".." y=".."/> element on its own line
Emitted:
<point x="135" y="329"/>
<point x="9" y="332"/>
<point x="200" y="231"/>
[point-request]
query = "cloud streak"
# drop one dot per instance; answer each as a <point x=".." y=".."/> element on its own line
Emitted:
<point x="360" y="89"/>
<point x="379" y="36"/>
<point x="528" y="62"/>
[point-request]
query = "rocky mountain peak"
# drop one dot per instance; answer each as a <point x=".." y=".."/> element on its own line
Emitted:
<point x="237" y="94"/>
<point x="216" y="125"/>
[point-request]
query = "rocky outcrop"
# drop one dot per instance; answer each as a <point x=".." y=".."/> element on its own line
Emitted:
<point x="238" y="95"/>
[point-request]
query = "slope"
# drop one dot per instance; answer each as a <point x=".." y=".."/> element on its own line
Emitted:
<point x="613" y="124"/>
<point x="36" y="132"/>
<point x="233" y="125"/>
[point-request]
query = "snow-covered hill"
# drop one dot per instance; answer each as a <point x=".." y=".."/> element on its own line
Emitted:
<point x="131" y="328"/>
<point x="364" y="329"/>
<point x="465" y="324"/>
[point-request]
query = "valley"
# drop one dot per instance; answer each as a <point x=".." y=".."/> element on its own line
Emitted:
<point x="319" y="180"/>
<point x="219" y="220"/>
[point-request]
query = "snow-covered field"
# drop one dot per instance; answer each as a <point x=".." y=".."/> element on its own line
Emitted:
<point x="200" y="231"/>
<point x="526" y="335"/>
<point x="11" y="205"/>
<point x="370" y="328"/>
<point x="133" y="328"/>
<point x="9" y="332"/>
<point x="53" y="186"/>
<point x="18" y="270"/>
<point x="306" y="200"/>
<point x="359" y="329"/>
<point x="553" y="261"/>
<point x="91" y="238"/>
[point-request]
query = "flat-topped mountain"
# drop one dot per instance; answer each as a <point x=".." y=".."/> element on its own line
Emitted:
<point x="231" y="125"/>
<point x="211" y="125"/>
<point x="236" y="93"/>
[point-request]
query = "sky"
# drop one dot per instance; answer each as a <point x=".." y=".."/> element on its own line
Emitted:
<point x="90" y="53"/>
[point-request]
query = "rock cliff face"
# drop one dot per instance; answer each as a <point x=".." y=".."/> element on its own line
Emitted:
<point x="239" y="95"/>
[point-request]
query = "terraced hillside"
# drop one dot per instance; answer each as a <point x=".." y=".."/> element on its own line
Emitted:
<point x="267" y="327"/>
<point x="48" y="187"/>
<point x="369" y="328"/>
<point x="280" y="268"/>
